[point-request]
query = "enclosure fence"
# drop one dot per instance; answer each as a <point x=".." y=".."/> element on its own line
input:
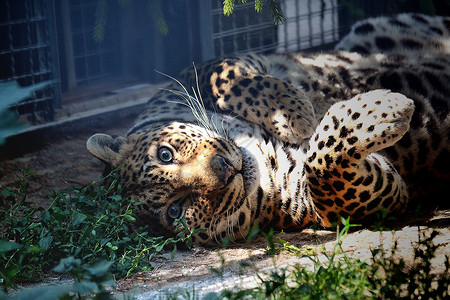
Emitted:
<point x="44" y="40"/>
<point x="27" y="54"/>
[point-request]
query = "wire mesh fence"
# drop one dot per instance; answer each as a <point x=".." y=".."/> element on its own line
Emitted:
<point x="26" y="53"/>
<point x="53" y="40"/>
<point x="309" y="23"/>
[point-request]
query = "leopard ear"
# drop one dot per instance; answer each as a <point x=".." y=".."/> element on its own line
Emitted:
<point x="105" y="147"/>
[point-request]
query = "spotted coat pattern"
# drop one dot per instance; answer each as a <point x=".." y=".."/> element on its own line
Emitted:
<point x="295" y="139"/>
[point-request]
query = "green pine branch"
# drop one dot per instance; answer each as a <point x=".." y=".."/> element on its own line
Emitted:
<point x="274" y="8"/>
<point x="276" y="12"/>
<point x="156" y="14"/>
<point x="101" y="16"/>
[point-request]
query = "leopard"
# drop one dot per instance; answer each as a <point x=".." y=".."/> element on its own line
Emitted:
<point x="293" y="140"/>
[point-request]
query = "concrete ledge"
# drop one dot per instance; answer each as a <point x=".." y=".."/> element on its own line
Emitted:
<point x="121" y="105"/>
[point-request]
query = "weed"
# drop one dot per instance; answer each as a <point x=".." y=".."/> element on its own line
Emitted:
<point x="338" y="276"/>
<point x="392" y="278"/>
<point x="88" y="279"/>
<point x="87" y="233"/>
<point x="271" y="249"/>
<point x="381" y="218"/>
<point x="89" y="224"/>
<point x="286" y="246"/>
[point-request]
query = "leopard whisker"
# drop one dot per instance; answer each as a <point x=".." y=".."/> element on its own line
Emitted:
<point x="213" y="225"/>
<point x="194" y="103"/>
<point x="201" y="105"/>
<point x="229" y="228"/>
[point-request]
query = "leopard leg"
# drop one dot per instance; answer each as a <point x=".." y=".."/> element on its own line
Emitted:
<point x="344" y="173"/>
<point x="241" y="86"/>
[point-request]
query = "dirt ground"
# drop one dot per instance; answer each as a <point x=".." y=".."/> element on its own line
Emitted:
<point x="58" y="164"/>
<point x="66" y="162"/>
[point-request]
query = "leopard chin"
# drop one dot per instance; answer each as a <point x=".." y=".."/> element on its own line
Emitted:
<point x="250" y="172"/>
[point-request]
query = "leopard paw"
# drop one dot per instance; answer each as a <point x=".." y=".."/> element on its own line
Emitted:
<point x="364" y="124"/>
<point x="274" y="104"/>
<point x="289" y="117"/>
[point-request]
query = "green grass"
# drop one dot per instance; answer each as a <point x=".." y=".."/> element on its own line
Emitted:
<point x="342" y="277"/>
<point x="83" y="228"/>
<point x="88" y="234"/>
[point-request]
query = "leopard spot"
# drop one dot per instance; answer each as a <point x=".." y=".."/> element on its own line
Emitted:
<point x="358" y="181"/>
<point x="398" y="23"/>
<point x="352" y="140"/>
<point x="387" y="202"/>
<point x="364" y="29"/>
<point x="385" y="43"/>
<point x="236" y="91"/>
<point x="352" y="206"/>
<point x="411" y="44"/>
<point x="326" y="187"/>
<point x="335" y="122"/>
<point x="318" y="70"/>
<point x="339" y="147"/>
<point x="374" y="203"/>
<point x="245" y="82"/>
<point x="436" y="30"/>
<point x="360" y="49"/>
<point x="364" y="196"/>
<point x="387" y="190"/>
<point x="254" y="92"/>
<point x="332" y="217"/>
<point x="391" y="81"/>
<point x="287" y="220"/>
<point x="328" y="160"/>
<point x="315" y="86"/>
<point x="336" y="173"/>
<point x="368" y="180"/>
<point x="344" y="132"/>
<point x="348" y="176"/>
<point x="312" y="157"/>
<point x="355" y="116"/>
<point x="313" y="181"/>
<point x="327" y="202"/>
<point x="321" y="145"/>
<point x="338" y="185"/>
<point x="359" y="212"/>
<point x="339" y="202"/>
<point x="350" y="194"/>
<point x="330" y="142"/>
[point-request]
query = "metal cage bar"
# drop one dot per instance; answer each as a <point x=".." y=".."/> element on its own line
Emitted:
<point x="27" y="53"/>
<point x="308" y="24"/>
<point x="92" y="60"/>
<point x="244" y="31"/>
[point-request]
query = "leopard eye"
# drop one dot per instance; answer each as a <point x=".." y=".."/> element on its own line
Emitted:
<point x="174" y="211"/>
<point x="165" y="154"/>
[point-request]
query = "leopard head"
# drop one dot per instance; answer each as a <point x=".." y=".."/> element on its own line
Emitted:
<point x="180" y="170"/>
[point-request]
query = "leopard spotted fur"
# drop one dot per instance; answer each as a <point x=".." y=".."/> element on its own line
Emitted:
<point x="295" y="139"/>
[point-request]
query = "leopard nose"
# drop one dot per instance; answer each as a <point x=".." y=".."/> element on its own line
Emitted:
<point x="224" y="170"/>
